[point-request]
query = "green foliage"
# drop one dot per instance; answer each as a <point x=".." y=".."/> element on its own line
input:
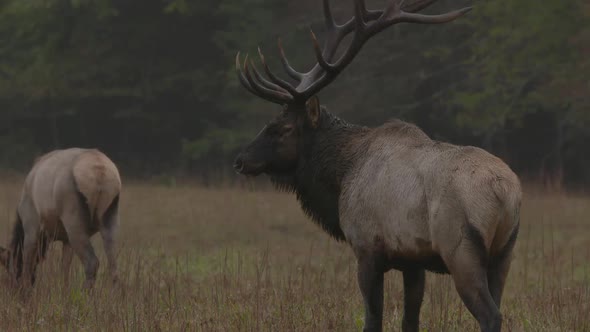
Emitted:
<point x="517" y="50"/>
<point x="152" y="82"/>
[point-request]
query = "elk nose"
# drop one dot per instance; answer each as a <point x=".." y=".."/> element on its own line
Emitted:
<point x="239" y="164"/>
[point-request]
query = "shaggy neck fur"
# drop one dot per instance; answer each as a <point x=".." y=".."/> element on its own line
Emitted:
<point x="326" y="156"/>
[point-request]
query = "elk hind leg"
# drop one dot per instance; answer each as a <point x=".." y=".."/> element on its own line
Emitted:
<point x="85" y="252"/>
<point x="108" y="231"/>
<point x="498" y="268"/>
<point x="76" y="224"/>
<point x="467" y="266"/>
<point x="108" y="239"/>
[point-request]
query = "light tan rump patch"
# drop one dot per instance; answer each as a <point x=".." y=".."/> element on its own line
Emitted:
<point x="97" y="178"/>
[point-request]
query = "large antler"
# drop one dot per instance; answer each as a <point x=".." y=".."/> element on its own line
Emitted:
<point x="364" y="24"/>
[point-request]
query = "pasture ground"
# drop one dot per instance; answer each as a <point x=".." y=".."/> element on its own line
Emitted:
<point x="227" y="259"/>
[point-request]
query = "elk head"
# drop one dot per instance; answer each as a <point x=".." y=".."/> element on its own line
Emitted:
<point x="277" y="148"/>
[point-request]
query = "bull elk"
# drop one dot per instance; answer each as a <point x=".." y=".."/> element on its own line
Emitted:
<point x="399" y="199"/>
<point x="68" y="196"/>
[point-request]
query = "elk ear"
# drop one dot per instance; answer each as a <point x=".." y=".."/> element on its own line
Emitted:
<point x="312" y="111"/>
<point x="4" y="257"/>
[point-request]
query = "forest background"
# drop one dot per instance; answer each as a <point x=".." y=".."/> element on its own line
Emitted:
<point x="152" y="82"/>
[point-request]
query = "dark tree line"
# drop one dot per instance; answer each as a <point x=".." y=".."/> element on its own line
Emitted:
<point x="152" y="83"/>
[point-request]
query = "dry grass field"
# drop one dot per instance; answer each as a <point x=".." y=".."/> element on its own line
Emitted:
<point x="197" y="259"/>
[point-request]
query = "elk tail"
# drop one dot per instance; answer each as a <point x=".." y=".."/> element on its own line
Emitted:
<point x="97" y="183"/>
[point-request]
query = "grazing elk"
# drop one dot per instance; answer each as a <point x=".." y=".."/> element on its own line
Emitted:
<point x="68" y="196"/>
<point x="400" y="199"/>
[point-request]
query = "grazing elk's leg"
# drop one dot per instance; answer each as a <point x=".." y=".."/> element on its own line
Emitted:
<point x="370" y="279"/>
<point x="107" y="231"/>
<point x="30" y="253"/>
<point x="83" y="249"/>
<point x="108" y="240"/>
<point x="470" y="276"/>
<point x="414" y="280"/>
<point x="31" y="224"/>
<point x="75" y="224"/>
<point x="41" y="250"/>
<point x="31" y="247"/>
<point x="67" y="254"/>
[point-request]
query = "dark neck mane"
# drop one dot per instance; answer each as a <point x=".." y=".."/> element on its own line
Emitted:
<point x="326" y="157"/>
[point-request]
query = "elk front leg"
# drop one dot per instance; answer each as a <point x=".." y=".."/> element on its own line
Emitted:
<point x="414" y="280"/>
<point x="30" y="253"/>
<point x="370" y="279"/>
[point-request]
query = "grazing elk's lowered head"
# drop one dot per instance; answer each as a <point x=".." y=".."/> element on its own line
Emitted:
<point x="279" y="147"/>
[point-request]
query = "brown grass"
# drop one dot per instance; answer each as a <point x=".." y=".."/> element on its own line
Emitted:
<point x="237" y="260"/>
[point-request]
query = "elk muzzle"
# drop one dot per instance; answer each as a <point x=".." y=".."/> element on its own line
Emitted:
<point x="246" y="166"/>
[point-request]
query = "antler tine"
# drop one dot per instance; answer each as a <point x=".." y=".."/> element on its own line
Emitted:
<point x="393" y="15"/>
<point x="359" y="15"/>
<point x="263" y="81"/>
<point x="251" y="82"/>
<point x="365" y="24"/>
<point x="243" y="79"/>
<point x="265" y="93"/>
<point x="336" y="33"/>
<point x="318" y="53"/>
<point x="281" y="97"/>
<point x="245" y="82"/>
<point x="294" y="74"/>
<point x="330" y="23"/>
<point x="374" y="14"/>
<point x="392" y="9"/>
<point x="283" y="85"/>
<point x="358" y="24"/>
<point x="362" y="8"/>
<point x="433" y="19"/>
